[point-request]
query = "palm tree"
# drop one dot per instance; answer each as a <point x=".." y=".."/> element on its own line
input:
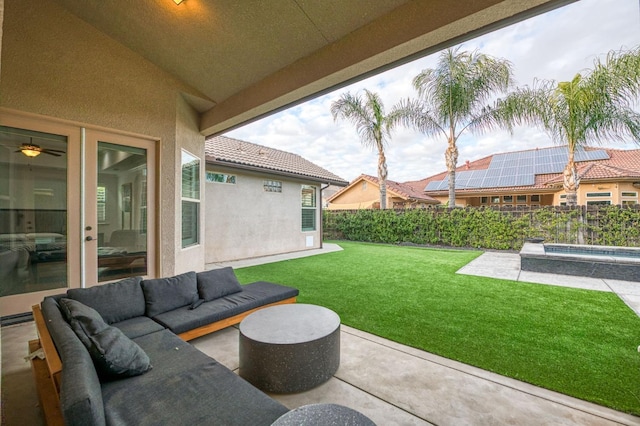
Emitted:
<point x="452" y="98"/>
<point x="367" y="114"/>
<point x="592" y="107"/>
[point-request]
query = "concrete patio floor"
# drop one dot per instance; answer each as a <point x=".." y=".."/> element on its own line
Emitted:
<point x="390" y="383"/>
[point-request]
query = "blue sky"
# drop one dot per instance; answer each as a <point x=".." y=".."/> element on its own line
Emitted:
<point x="556" y="45"/>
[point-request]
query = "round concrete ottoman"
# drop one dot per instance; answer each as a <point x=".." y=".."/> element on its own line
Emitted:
<point x="325" y="415"/>
<point x="289" y="348"/>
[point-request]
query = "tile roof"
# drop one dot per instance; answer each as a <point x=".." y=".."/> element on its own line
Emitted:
<point x="401" y="189"/>
<point x="621" y="164"/>
<point x="232" y="152"/>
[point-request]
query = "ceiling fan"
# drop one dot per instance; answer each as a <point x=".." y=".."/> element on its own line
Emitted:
<point x="32" y="150"/>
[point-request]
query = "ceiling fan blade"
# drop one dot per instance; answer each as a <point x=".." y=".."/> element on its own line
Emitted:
<point x="46" y="151"/>
<point x="54" y="150"/>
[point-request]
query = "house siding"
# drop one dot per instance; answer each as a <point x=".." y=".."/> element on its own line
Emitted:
<point x="245" y="221"/>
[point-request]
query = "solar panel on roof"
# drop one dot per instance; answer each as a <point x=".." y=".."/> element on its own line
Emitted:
<point x="476" y="182"/>
<point x="433" y="186"/>
<point x="517" y="168"/>
<point x="527" y="168"/>
<point x="490" y="182"/>
<point x="509" y="171"/>
<point x="591" y="155"/>
<point x="524" y="180"/>
<point x="492" y="172"/>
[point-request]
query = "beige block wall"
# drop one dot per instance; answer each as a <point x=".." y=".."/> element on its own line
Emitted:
<point x="245" y="221"/>
<point x="59" y="66"/>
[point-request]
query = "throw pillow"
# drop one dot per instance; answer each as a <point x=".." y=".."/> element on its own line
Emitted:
<point x="166" y="294"/>
<point x="113" y="353"/>
<point x="217" y="283"/>
<point x="115" y="302"/>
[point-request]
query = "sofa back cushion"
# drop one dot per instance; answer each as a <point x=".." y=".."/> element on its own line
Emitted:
<point x="115" y="302"/>
<point x="217" y="283"/>
<point x="80" y="391"/>
<point x="165" y="294"/>
<point x="113" y="353"/>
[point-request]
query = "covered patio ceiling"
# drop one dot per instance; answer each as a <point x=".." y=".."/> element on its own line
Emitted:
<point x="249" y="58"/>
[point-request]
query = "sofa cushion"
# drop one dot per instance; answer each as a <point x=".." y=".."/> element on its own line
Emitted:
<point x="217" y="283"/>
<point x="80" y="391"/>
<point x="165" y="294"/>
<point x="138" y="326"/>
<point x="113" y="353"/>
<point x="252" y="296"/>
<point x="115" y="302"/>
<point x="185" y="387"/>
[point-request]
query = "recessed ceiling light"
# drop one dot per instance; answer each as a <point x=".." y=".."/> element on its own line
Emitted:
<point x="178" y="1"/>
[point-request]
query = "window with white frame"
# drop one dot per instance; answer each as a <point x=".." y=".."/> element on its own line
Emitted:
<point x="598" y="198"/>
<point x="190" y="199"/>
<point x="308" y="208"/>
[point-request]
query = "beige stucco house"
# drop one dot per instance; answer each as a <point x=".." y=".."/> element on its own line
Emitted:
<point x="121" y="96"/>
<point x="267" y="201"/>
<point x="534" y="178"/>
<point x="364" y="193"/>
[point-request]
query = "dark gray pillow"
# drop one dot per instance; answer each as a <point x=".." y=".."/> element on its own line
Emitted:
<point x="115" y="302"/>
<point x="166" y="294"/>
<point x="113" y="353"/>
<point x="217" y="283"/>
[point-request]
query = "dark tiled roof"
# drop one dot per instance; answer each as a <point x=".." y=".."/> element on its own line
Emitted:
<point x="231" y="152"/>
<point x="621" y="164"/>
<point x="403" y="190"/>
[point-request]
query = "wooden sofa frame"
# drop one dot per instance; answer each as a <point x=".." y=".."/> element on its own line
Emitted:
<point x="47" y="371"/>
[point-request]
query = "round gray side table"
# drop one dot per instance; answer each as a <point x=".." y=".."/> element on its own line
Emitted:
<point x="323" y="414"/>
<point x="289" y="348"/>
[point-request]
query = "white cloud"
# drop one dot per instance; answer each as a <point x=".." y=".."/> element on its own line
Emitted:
<point x="555" y="46"/>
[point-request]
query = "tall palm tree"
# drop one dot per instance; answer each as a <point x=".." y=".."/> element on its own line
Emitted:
<point x="452" y="98"/>
<point x="594" y="106"/>
<point x="366" y="112"/>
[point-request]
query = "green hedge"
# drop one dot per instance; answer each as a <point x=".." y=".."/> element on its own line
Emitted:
<point x="487" y="227"/>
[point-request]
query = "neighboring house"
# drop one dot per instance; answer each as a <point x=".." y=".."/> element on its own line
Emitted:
<point x="364" y="193"/>
<point x="267" y="201"/>
<point x="534" y="178"/>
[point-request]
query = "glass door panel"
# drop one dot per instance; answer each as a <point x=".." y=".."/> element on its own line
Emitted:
<point x="121" y="211"/>
<point x="33" y="211"/>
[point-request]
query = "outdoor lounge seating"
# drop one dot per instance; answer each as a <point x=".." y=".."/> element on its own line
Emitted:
<point x="114" y="352"/>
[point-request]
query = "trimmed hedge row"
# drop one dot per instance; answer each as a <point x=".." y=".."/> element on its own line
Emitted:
<point x="487" y="228"/>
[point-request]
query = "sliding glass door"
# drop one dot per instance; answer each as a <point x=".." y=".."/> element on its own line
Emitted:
<point x="33" y="211"/>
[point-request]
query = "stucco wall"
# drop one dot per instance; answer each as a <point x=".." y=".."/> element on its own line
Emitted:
<point x="245" y="221"/>
<point x="615" y="188"/>
<point x="57" y="65"/>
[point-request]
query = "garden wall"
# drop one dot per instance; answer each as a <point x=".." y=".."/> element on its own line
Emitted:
<point x="488" y="228"/>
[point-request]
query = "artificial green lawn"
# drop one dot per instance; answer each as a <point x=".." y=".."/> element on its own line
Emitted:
<point x="578" y="342"/>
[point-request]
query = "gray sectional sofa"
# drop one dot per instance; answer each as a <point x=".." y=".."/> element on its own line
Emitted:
<point x="123" y="361"/>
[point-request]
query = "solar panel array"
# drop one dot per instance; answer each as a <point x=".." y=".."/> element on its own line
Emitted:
<point x="517" y="168"/>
